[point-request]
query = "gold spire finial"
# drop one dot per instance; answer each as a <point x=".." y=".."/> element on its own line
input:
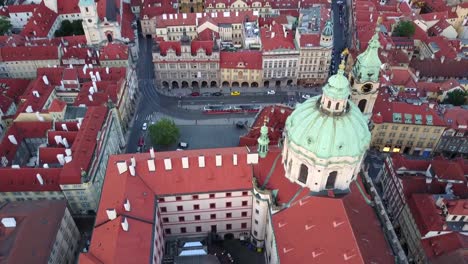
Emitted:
<point x="377" y="26"/>
<point x="342" y="65"/>
<point x="265" y="120"/>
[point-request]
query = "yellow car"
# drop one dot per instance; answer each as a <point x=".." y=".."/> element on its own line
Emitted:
<point x="235" y="93"/>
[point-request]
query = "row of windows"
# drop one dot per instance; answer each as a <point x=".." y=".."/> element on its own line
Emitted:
<point x="415" y="129"/>
<point x="403" y="135"/>
<point x="198" y="217"/>
<point x="173" y="66"/>
<point x="196" y="196"/>
<point x="213" y="228"/>
<point x="197" y="206"/>
<point x="280" y="64"/>
<point x="400" y="142"/>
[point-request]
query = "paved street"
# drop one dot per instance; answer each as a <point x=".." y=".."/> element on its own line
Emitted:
<point x="339" y="33"/>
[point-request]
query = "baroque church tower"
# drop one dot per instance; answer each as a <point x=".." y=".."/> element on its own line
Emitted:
<point x="364" y="77"/>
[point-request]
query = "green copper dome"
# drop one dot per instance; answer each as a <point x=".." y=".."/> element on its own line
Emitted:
<point x="326" y="135"/>
<point x="330" y="134"/>
<point x="368" y="63"/>
<point x="328" y="29"/>
<point x="337" y="86"/>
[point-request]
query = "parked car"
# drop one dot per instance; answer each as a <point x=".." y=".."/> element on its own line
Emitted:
<point x="235" y="93"/>
<point x="145" y="126"/>
<point x="206" y="94"/>
<point x="217" y="94"/>
<point x="306" y="96"/>
<point x="195" y="94"/>
<point x="183" y="145"/>
<point x="240" y="124"/>
<point x="271" y="92"/>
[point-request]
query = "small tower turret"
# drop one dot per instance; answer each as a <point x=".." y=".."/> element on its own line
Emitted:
<point x="326" y="38"/>
<point x="263" y="140"/>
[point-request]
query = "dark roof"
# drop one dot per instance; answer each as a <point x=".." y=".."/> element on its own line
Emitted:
<point x="435" y="68"/>
<point x="37" y="224"/>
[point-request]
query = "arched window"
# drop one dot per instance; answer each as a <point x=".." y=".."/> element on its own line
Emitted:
<point x="331" y="180"/>
<point x="329" y="104"/>
<point x="337" y="106"/>
<point x="304" y="171"/>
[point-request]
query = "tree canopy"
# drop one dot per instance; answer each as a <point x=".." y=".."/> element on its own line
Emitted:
<point x="5" y="25"/>
<point x="456" y="97"/>
<point x="164" y="132"/>
<point x="404" y="29"/>
<point x="68" y="28"/>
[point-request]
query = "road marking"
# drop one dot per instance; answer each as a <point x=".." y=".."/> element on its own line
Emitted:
<point x="136" y="118"/>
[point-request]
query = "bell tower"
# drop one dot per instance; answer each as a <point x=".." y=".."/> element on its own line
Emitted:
<point x="90" y="18"/>
<point x="364" y="77"/>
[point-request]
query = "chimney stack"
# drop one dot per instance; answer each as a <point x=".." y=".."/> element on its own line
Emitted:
<point x="45" y="79"/>
<point x="111" y="214"/>
<point x="124" y="224"/>
<point x="13" y="139"/>
<point x="127" y="205"/>
<point x="9" y="222"/>
<point x="133" y="161"/>
<point x="132" y="170"/>
<point x="152" y="152"/>
<point x="39" y="178"/>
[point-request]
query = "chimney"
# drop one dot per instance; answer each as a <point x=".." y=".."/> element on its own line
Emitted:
<point x="272" y="34"/>
<point x="61" y="159"/>
<point x="65" y="142"/>
<point x="36" y="93"/>
<point x="219" y="160"/>
<point x="111" y="214"/>
<point x="234" y="159"/>
<point x="14" y="166"/>
<point x="45" y="166"/>
<point x="39" y="178"/>
<point x="201" y="161"/>
<point x="68" y="152"/>
<point x="168" y="164"/>
<point x="132" y="170"/>
<point x="94" y="87"/>
<point x="152" y="152"/>
<point x="90" y="97"/>
<point x="89" y="53"/>
<point x="68" y="159"/>
<point x="151" y="166"/>
<point x="9" y="222"/>
<point x="58" y="139"/>
<point x="64" y="127"/>
<point x="124" y="224"/>
<point x="442" y="59"/>
<point x="91" y="90"/>
<point x="98" y="77"/>
<point x="122" y="166"/>
<point x="45" y="79"/>
<point x="185" y="162"/>
<point x="29" y="109"/>
<point x="107" y="70"/>
<point x="127" y="205"/>
<point x="13" y="139"/>
<point x="90" y="65"/>
<point x="34" y="21"/>
<point x="85" y="68"/>
<point x="133" y="161"/>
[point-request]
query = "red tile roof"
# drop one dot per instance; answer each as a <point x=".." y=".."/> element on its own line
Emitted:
<point x="57" y="105"/>
<point x="456" y="118"/>
<point x="433" y="68"/>
<point x="205" y="46"/>
<point x="5" y="103"/>
<point x="41" y="22"/>
<point x="309" y="228"/>
<point x="30" y="53"/>
<point x="113" y="51"/>
<point x="157" y="8"/>
<point x="171" y="20"/>
<point x="13" y="88"/>
<point x="165" y="46"/>
<point x="251" y="60"/>
<point x="426" y="214"/>
<point x="68" y="7"/>
<point x="275" y="38"/>
<point x="458" y="207"/>
<point x="309" y="40"/>
<point x="39" y="219"/>
<point x="385" y="107"/>
<point x="449" y="248"/>
<point x="22" y="8"/>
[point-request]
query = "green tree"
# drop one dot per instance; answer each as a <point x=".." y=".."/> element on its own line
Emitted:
<point x="456" y="97"/>
<point x="68" y="28"/>
<point x="404" y="29"/>
<point x="78" y="27"/>
<point x="5" y="25"/>
<point x="164" y="132"/>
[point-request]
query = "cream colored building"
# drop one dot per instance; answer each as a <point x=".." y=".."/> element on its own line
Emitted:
<point x="242" y="68"/>
<point x="263" y="8"/>
<point x="406" y="128"/>
<point x="23" y="62"/>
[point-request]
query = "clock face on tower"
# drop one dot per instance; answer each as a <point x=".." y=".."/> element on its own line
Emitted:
<point x="366" y="88"/>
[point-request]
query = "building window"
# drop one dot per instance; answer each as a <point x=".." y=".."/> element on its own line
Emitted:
<point x="163" y="209"/>
<point x="255" y="233"/>
<point x="161" y="200"/>
<point x="178" y="198"/>
<point x="165" y="219"/>
<point x="180" y="208"/>
<point x="212" y="195"/>
<point x="245" y="193"/>
<point x="244" y="203"/>
<point x="197" y="217"/>
<point x="196" y="207"/>
<point x="195" y="197"/>
<point x="183" y="230"/>
<point x="228" y="204"/>
<point x="228" y="215"/>
<point x="212" y="216"/>
<point x="243" y="225"/>
<point x="244" y="214"/>
<point x="228" y="226"/>
<point x="168" y="231"/>
<point x="181" y="219"/>
<point x="331" y="180"/>
<point x="212" y="205"/>
<point x="256" y="211"/>
<point x="198" y="228"/>
<point x="303" y="174"/>
<point x="228" y="194"/>
<point x="214" y="229"/>
<point x="256" y="222"/>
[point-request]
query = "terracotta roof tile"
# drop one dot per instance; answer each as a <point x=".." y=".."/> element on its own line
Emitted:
<point x="241" y="60"/>
<point x="41" y="22"/>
